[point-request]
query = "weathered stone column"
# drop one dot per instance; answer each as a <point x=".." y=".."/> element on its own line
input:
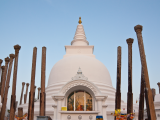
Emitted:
<point x="32" y="89"/>
<point x="25" y="96"/>
<point x="3" y="109"/>
<point x="158" y="86"/>
<point x="138" y="30"/>
<point x="43" y="94"/>
<point x="13" y="96"/>
<point x="1" y="74"/>
<point x="23" y="83"/>
<point x="4" y="78"/>
<point x="141" y="102"/>
<point x="20" y="112"/>
<point x="129" y="94"/>
<point x="147" y="105"/>
<point x="0" y="65"/>
<point x="118" y="88"/>
<point x="38" y="92"/>
<point x="2" y="68"/>
<point x="153" y="93"/>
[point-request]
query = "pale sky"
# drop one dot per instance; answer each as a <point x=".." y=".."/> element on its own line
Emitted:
<point x="107" y="25"/>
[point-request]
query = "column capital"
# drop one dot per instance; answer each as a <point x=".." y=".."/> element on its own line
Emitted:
<point x="129" y="40"/>
<point x="23" y="83"/>
<point x="1" y="61"/>
<point x="3" y="68"/>
<point x="17" y="47"/>
<point x="27" y="84"/>
<point x="12" y="56"/>
<point x="58" y="97"/>
<point x="138" y="28"/>
<point x="7" y="59"/>
<point x="39" y="89"/>
<point x="158" y="84"/>
<point x="101" y="98"/>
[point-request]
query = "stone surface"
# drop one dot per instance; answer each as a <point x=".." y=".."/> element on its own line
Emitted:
<point x="153" y="93"/>
<point x="38" y="92"/>
<point x="129" y="94"/>
<point x="4" y="78"/>
<point x="32" y="87"/>
<point x="43" y="75"/>
<point x="20" y="112"/>
<point x="2" y="68"/>
<point x="3" y="109"/>
<point x="158" y="86"/>
<point x="25" y="95"/>
<point x="35" y="88"/>
<point x="0" y="72"/>
<point x="141" y="101"/>
<point x="118" y="87"/>
<point x="23" y="83"/>
<point x="13" y="96"/>
<point x="138" y="30"/>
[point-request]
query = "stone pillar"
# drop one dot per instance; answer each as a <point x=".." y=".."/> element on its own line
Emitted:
<point x="25" y="96"/>
<point x="16" y="104"/>
<point x="32" y="89"/>
<point x="118" y="88"/>
<point x="147" y="105"/>
<point x="141" y="102"/>
<point x="55" y="112"/>
<point x="104" y="112"/>
<point x="23" y="83"/>
<point x="3" y="109"/>
<point x="13" y="96"/>
<point x="100" y="107"/>
<point x="0" y="65"/>
<point x="4" y="78"/>
<point x="58" y="100"/>
<point x="138" y="30"/>
<point x="153" y="93"/>
<point x="43" y="94"/>
<point x="129" y="94"/>
<point x="100" y="100"/>
<point x="20" y="112"/>
<point x="38" y="92"/>
<point x="159" y="86"/>
<point x="0" y="73"/>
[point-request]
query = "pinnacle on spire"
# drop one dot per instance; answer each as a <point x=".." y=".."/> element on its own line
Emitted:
<point x="79" y="20"/>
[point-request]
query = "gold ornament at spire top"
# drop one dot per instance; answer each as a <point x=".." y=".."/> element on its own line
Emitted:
<point x="79" y="20"/>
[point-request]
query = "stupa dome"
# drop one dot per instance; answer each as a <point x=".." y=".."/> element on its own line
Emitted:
<point x="66" y="68"/>
<point x="79" y="55"/>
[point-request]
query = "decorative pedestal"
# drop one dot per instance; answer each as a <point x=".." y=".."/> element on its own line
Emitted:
<point x="43" y="118"/>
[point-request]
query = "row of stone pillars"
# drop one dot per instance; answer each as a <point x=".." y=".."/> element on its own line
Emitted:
<point x="25" y="95"/>
<point x="144" y="81"/>
<point x="5" y="80"/>
<point x="32" y="86"/>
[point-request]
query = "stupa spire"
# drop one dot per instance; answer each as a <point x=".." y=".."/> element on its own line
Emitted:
<point x="79" y="37"/>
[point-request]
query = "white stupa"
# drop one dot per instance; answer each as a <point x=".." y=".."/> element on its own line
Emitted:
<point x="81" y="83"/>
